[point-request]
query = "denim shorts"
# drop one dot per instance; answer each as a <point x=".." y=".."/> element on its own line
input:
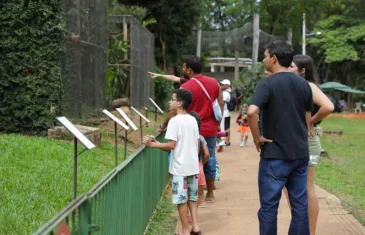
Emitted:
<point x="210" y="165"/>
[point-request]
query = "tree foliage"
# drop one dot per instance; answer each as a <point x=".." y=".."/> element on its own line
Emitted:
<point x="175" y="22"/>
<point x="30" y="84"/>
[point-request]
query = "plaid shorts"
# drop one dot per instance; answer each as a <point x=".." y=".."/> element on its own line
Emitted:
<point x="184" y="189"/>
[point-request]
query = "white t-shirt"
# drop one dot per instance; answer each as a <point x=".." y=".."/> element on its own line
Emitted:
<point x="226" y="98"/>
<point x="183" y="129"/>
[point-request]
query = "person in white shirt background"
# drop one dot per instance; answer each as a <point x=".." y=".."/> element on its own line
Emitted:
<point x="226" y="121"/>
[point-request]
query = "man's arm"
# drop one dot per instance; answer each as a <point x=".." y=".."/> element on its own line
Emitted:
<point x="170" y="78"/>
<point x="253" y="121"/>
<point x="260" y="98"/>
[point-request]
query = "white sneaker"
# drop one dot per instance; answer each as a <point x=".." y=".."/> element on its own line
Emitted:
<point x="246" y="143"/>
<point x="241" y="144"/>
<point x="222" y="143"/>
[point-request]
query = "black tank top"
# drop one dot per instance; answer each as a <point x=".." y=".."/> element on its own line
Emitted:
<point x="314" y="111"/>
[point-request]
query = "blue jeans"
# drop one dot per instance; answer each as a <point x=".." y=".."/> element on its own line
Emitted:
<point x="210" y="166"/>
<point x="274" y="174"/>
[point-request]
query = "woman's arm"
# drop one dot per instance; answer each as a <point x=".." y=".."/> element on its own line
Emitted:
<point x="320" y="99"/>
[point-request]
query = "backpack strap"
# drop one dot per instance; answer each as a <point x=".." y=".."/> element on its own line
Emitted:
<point x="201" y="85"/>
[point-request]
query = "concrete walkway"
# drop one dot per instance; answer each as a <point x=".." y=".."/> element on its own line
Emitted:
<point x="237" y="201"/>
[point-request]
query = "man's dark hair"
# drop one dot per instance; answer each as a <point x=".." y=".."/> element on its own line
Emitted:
<point x="195" y="63"/>
<point x="283" y="52"/>
<point x="197" y="117"/>
<point x="184" y="96"/>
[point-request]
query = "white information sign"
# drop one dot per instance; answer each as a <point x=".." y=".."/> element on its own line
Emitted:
<point x="140" y="114"/>
<point x="115" y="119"/>
<point x="153" y="102"/>
<point x="128" y="120"/>
<point x="75" y="132"/>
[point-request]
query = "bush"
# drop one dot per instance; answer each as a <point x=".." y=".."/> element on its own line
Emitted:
<point x="248" y="81"/>
<point x="31" y="33"/>
<point x="163" y="90"/>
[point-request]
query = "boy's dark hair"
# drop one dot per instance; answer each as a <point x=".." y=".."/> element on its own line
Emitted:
<point x="306" y="62"/>
<point x="195" y="63"/>
<point x="283" y="52"/>
<point x="184" y="96"/>
<point x="197" y="117"/>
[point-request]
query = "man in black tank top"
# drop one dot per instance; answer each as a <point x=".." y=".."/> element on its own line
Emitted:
<point x="284" y="101"/>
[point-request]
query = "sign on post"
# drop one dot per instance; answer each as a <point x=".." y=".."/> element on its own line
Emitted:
<point x="78" y="136"/>
<point x="127" y="119"/>
<point x="140" y="121"/>
<point x="125" y="127"/>
<point x="158" y="107"/>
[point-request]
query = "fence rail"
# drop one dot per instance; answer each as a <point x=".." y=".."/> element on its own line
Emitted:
<point x="122" y="202"/>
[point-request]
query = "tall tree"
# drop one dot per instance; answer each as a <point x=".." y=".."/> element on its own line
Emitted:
<point x="340" y="49"/>
<point x="175" y="22"/>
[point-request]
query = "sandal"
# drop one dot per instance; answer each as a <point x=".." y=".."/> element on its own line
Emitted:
<point x="195" y="233"/>
<point x="209" y="200"/>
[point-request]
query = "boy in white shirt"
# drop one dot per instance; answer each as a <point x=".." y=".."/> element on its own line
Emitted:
<point x="183" y="135"/>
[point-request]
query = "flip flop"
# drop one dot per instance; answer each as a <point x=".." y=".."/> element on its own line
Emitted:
<point x="195" y="233"/>
<point x="202" y="206"/>
<point x="209" y="200"/>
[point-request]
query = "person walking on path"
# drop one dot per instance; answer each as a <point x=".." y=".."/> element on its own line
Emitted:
<point x="285" y="102"/>
<point x="183" y="135"/>
<point x="243" y="128"/>
<point x="226" y="121"/>
<point x="303" y="66"/>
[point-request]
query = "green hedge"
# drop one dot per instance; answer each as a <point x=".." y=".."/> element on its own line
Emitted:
<point x="30" y="76"/>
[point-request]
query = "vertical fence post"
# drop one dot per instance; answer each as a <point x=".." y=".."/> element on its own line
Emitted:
<point x="75" y="167"/>
<point x="116" y="143"/>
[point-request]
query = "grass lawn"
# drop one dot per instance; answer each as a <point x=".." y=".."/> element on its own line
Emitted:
<point x="163" y="221"/>
<point x="37" y="179"/>
<point x="343" y="174"/>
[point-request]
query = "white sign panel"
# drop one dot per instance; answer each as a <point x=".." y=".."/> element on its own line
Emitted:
<point x="153" y="102"/>
<point x="115" y="119"/>
<point x="140" y="114"/>
<point x="75" y="132"/>
<point x="128" y="120"/>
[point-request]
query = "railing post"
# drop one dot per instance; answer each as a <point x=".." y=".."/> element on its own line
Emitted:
<point x="85" y="215"/>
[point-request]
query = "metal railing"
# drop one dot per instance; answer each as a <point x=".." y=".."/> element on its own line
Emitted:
<point x="123" y="202"/>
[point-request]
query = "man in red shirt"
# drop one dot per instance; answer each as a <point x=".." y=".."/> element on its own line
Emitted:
<point x="202" y="104"/>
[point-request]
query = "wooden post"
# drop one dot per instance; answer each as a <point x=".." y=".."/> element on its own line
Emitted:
<point x="125" y="36"/>
<point x="199" y="41"/>
<point x="290" y="36"/>
<point x="256" y="39"/>
<point x="236" y="65"/>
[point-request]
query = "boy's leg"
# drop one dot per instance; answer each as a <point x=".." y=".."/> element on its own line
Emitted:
<point x="180" y="198"/>
<point x="184" y="213"/>
<point x="193" y="197"/>
<point x="273" y="175"/>
<point x="297" y="190"/>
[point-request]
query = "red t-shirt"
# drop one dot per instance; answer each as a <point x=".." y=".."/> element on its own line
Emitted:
<point x="201" y="103"/>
